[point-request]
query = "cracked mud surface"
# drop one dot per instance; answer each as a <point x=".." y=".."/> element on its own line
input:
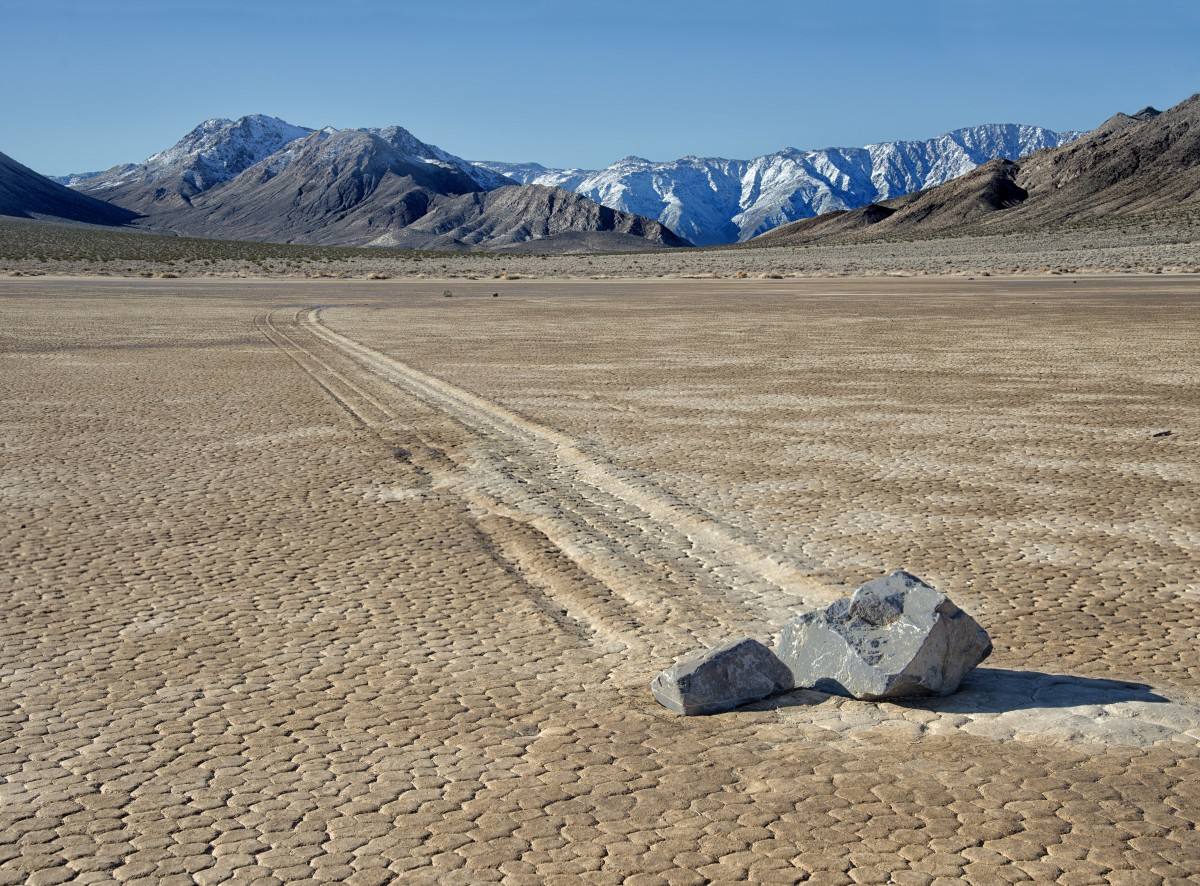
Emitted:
<point x="342" y="583"/>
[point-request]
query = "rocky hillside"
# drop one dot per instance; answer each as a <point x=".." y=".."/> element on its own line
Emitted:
<point x="1145" y="162"/>
<point x="1148" y="162"/>
<point x="520" y="214"/>
<point x="949" y="207"/>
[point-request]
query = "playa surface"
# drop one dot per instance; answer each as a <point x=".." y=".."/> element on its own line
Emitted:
<point x="359" y="582"/>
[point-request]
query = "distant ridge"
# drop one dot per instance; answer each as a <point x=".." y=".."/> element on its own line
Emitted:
<point x="27" y="194"/>
<point x="1119" y="121"/>
<point x="713" y="200"/>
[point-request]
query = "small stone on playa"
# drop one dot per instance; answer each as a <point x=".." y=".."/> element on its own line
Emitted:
<point x="721" y="679"/>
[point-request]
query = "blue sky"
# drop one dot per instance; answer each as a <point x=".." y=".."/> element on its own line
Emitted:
<point x="91" y="84"/>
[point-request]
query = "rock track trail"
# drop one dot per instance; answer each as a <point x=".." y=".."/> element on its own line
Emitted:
<point x="634" y="567"/>
<point x="629" y="568"/>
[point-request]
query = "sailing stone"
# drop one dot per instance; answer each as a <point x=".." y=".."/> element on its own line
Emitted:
<point x="896" y="637"/>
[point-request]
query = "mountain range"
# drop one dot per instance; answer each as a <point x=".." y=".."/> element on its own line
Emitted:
<point x="262" y="178"/>
<point x="1132" y="164"/>
<point x="713" y="200"/>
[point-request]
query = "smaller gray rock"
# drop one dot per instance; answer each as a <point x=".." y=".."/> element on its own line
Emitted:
<point x="896" y="637"/>
<point x="721" y="679"/>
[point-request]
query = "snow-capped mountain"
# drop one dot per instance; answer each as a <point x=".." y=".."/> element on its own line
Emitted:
<point x="340" y="186"/>
<point x="710" y="200"/>
<point x="219" y="150"/>
<point x="26" y="194"/>
<point x="214" y="152"/>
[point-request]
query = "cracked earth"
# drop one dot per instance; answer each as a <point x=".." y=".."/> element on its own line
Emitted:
<point x="346" y="582"/>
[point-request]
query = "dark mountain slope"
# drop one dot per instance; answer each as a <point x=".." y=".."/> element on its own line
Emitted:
<point x="27" y="194"/>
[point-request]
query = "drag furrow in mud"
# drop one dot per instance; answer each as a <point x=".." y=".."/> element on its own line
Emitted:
<point x="543" y="472"/>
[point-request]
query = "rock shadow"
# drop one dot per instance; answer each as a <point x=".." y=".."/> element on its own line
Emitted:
<point x="996" y="691"/>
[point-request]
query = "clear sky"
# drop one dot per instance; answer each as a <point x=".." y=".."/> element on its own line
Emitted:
<point x="85" y="84"/>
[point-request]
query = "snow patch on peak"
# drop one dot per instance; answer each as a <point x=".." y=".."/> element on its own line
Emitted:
<point x="536" y="174"/>
<point x="222" y="148"/>
<point x="75" y="178"/>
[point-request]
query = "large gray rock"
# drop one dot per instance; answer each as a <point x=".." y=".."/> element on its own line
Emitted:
<point x="721" y="679"/>
<point x="896" y="637"/>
